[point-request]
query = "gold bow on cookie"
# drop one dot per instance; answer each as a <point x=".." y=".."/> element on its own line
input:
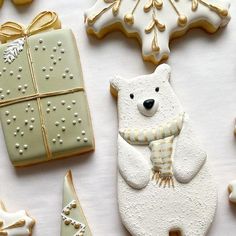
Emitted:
<point x="44" y="21"/>
<point x="17" y="2"/>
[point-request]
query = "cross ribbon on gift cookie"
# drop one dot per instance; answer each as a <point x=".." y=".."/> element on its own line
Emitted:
<point x="18" y="37"/>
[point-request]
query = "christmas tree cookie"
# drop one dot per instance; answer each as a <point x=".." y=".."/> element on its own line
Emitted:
<point x="15" y="224"/>
<point x="155" y="22"/>
<point x="73" y="222"/>
<point x="43" y="104"/>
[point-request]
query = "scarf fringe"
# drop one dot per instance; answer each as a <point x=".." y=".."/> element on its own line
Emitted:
<point x="165" y="181"/>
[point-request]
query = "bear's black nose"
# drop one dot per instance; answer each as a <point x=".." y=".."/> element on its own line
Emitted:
<point x="148" y="104"/>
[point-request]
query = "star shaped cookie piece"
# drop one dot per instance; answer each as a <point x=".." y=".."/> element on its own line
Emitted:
<point x="73" y="219"/>
<point x="155" y="22"/>
<point x="18" y="223"/>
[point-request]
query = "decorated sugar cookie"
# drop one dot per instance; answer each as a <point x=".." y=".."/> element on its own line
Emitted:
<point x="17" y="2"/>
<point x="15" y="224"/>
<point x="42" y="95"/>
<point x="156" y="22"/>
<point x="74" y="222"/>
<point x="164" y="183"/>
<point x="232" y="191"/>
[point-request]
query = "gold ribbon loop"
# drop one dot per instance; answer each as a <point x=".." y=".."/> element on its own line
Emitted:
<point x="10" y="31"/>
<point x="44" y="21"/>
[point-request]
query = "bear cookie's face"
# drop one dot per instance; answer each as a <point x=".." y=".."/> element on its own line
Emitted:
<point x="146" y="101"/>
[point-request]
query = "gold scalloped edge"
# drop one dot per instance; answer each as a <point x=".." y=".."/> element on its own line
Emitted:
<point x="206" y="26"/>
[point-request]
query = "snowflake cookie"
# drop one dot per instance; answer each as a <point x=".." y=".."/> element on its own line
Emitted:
<point x="15" y="224"/>
<point x="156" y="22"/>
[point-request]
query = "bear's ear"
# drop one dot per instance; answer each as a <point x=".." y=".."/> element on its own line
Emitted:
<point x="116" y="85"/>
<point x="163" y="72"/>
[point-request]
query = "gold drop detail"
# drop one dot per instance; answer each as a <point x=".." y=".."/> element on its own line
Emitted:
<point x="182" y="20"/>
<point x="129" y="19"/>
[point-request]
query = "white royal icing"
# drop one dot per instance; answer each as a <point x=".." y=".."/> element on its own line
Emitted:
<point x="18" y="223"/>
<point x="148" y="208"/>
<point x="155" y="22"/>
<point x="13" y="50"/>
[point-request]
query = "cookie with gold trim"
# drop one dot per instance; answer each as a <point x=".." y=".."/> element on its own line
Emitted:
<point x="155" y="22"/>
<point x="18" y="223"/>
<point x="74" y="222"/>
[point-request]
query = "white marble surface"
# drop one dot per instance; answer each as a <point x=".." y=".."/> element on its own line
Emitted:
<point x="203" y="76"/>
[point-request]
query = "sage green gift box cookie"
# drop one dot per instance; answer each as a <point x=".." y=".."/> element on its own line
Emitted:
<point x="43" y="107"/>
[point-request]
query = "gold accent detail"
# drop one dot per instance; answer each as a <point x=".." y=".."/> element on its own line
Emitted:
<point x="129" y="17"/>
<point x="219" y="10"/>
<point x="3" y="233"/>
<point x="155" y="47"/>
<point x="35" y="85"/>
<point x="39" y="95"/>
<point x="116" y="7"/>
<point x="194" y="5"/>
<point x="114" y="4"/>
<point x="153" y="3"/>
<point x="155" y="24"/>
<point x="128" y="134"/>
<point x="182" y="19"/>
<point x="44" y="21"/>
<point x="162" y="181"/>
<point x="18" y="224"/>
<point x="136" y="132"/>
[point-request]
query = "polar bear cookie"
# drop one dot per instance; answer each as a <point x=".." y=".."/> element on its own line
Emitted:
<point x="15" y="224"/>
<point x="156" y="22"/>
<point x="164" y="184"/>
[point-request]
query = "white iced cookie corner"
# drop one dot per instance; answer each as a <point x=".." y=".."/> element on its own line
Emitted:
<point x="232" y="191"/>
<point x="164" y="184"/>
<point x="156" y="22"/>
<point x="15" y="224"/>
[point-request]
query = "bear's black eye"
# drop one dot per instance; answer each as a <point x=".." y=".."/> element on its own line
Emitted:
<point x="131" y="96"/>
<point x="157" y="89"/>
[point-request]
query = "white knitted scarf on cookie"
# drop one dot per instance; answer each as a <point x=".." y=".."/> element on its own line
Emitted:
<point x="160" y="141"/>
